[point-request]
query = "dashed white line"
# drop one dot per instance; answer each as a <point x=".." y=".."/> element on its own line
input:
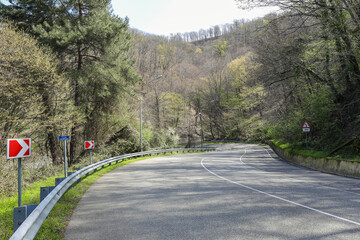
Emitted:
<point x="277" y="197"/>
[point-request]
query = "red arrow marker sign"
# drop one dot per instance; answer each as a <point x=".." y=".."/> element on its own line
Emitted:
<point x="18" y="148"/>
<point x="89" y="145"/>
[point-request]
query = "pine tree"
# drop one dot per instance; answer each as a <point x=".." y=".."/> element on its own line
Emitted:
<point x="93" y="46"/>
<point x="29" y="13"/>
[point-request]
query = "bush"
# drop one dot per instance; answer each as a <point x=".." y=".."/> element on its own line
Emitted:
<point x="157" y="141"/>
<point x="164" y="139"/>
<point x="318" y="109"/>
<point x="171" y="138"/>
<point x="127" y="140"/>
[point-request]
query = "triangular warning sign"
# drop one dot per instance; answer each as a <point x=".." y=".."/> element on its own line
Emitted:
<point x="306" y="125"/>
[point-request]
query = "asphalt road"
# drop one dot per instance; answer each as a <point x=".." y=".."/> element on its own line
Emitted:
<point x="238" y="192"/>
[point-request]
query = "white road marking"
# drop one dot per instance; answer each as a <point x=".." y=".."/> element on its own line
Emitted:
<point x="313" y="184"/>
<point x="340" y="190"/>
<point x="277" y="197"/>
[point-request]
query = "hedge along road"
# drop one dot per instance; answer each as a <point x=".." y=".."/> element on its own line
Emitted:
<point x="239" y="192"/>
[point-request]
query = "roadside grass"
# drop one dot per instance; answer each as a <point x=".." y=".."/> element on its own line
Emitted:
<point x="299" y="150"/>
<point x="352" y="159"/>
<point x="30" y="196"/>
<point x="54" y="226"/>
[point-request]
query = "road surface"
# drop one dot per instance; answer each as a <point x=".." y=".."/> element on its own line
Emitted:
<point x="241" y="191"/>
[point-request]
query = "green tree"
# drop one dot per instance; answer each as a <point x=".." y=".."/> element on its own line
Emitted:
<point x="93" y="46"/>
<point x="220" y="47"/>
<point x="173" y="109"/>
<point x="34" y="97"/>
<point x="29" y="13"/>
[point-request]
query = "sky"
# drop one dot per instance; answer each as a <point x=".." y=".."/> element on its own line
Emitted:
<point x="163" y="17"/>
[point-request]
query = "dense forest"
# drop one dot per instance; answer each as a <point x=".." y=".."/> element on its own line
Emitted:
<point x="73" y="67"/>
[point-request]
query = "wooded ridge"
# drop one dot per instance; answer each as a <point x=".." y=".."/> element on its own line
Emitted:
<point x="73" y="67"/>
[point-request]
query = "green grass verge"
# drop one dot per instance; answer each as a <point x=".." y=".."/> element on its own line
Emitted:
<point x="298" y="150"/>
<point x="54" y="226"/>
<point x="30" y="196"/>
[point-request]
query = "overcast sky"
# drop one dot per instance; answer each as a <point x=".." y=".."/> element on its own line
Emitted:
<point x="163" y="17"/>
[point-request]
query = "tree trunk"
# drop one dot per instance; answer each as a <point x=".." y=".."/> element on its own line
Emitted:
<point x="51" y="133"/>
<point x="157" y="110"/>
<point x="75" y="130"/>
<point x="54" y="147"/>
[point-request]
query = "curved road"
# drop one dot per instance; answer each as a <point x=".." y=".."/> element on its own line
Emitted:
<point x="239" y="192"/>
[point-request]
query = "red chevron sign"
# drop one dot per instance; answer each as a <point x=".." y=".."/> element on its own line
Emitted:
<point x="18" y="148"/>
<point x="89" y="145"/>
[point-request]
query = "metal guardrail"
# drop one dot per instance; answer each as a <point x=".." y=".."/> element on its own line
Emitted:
<point x="216" y="141"/>
<point x="33" y="222"/>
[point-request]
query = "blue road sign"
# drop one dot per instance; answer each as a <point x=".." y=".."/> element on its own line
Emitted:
<point x="64" y="138"/>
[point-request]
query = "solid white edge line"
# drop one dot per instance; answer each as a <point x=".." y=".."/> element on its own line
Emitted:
<point x="314" y="184"/>
<point x="277" y="197"/>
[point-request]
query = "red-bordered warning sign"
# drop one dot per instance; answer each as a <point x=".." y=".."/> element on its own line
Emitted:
<point x="89" y="144"/>
<point x="18" y="148"/>
<point x="306" y="127"/>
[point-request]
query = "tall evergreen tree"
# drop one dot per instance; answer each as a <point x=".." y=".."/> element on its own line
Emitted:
<point x="29" y="13"/>
<point x="93" y="46"/>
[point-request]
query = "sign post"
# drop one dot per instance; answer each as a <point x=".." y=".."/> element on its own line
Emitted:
<point x="306" y="129"/>
<point x="89" y="145"/>
<point x="64" y="138"/>
<point x="18" y="148"/>
<point x="19" y="183"/>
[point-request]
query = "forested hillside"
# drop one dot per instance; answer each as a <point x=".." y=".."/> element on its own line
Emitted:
<point x="264" y="77"/>
<point x="248" y="79"/>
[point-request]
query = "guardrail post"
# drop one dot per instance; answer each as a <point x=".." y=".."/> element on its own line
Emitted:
<point x="30" y="209"/>
<point x="44" y="191"/>
<point x="58" y="181"/>
<point x="79" y="180"/>
<point x="19" y="216"/>
<point x="21" y="213"/>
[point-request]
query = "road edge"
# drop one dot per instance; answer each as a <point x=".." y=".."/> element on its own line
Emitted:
<point x="337" y="167"/>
